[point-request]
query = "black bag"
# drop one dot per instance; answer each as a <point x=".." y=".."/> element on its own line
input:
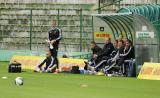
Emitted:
<point x="14" y="68"/>
<point x="75" y="70"/>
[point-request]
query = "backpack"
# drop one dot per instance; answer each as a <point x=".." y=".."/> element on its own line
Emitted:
<point x="14" y="68"/>
<point x="75" y="70"/>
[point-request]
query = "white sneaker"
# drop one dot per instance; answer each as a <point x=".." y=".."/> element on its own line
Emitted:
<point x="37" y="69"/>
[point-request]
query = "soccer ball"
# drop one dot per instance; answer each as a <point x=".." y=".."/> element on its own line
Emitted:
<point x="19" y="81"/>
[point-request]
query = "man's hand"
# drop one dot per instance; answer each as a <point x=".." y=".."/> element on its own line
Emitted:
<point x="53" y="41"/>
<point x="95" y="56"/>
<point x="48" y="41"/>
<point x="50" y="44"/>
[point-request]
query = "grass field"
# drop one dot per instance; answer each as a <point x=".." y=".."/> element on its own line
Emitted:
<point x="45" y="85"/>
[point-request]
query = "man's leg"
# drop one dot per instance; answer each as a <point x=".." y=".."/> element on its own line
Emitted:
<point x="57" y="62"/>
<point x="120" y="64"/>
<point x="100" y="65"/>
<point x="54" y="52"/>
<point x="45" y="68"/>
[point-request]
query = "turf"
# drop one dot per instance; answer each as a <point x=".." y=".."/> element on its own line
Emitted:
<point x="45" y="85"/>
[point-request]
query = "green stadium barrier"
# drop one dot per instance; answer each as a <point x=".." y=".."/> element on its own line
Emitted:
<point x="6" y="55"/>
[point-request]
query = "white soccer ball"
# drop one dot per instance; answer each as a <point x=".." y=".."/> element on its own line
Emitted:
<point x="19" y="81"/>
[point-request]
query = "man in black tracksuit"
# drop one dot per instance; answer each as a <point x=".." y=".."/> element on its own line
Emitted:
<point x="114" y="57"/>
<point x="104" y="53"/>
<point x="50" y="64"/>
<point x="95" y="51"/>
<point x="54" y="37"/>
<point x="106" y="50"/>
<point x="126" y="54"/>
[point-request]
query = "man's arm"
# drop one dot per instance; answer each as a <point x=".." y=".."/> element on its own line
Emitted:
<point x="49" y="36"/>
<point x="60" y="35"/>
<point x="106" y="51"/>
<point x="97" y="50"/>
<point x="125" y="54"/>
<point x="116" y="56"/>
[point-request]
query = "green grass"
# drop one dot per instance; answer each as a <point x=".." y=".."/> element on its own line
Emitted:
<point x="45" y="85"/>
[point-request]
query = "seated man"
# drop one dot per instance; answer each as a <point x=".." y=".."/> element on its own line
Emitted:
<point x="112" y="61"/>
<point x="95" y="51"/>
<point x="104" y="53"/>
<point x="106" y="50"/>
<point x="127" y="53"/>
<point x="114" y="52"/>
<point x="106" y="60"/>
<point x="50" y="64"/>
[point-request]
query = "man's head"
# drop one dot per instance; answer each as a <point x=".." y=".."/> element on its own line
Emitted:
<point x="107" y="40"/>
<point x="93" y="44"/>
<point x="124" y="40"/>
<point x="54" y="23"/>
<point x="115" y="43"/>
<point x="120" y="43"/>
<point x="128" y="43"/>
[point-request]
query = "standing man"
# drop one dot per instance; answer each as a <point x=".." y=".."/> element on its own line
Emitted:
<point x="54" y="37"/>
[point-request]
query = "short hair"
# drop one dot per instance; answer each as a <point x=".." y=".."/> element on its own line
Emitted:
<point x="121" y="41"/>
<point x="93" y="42"/>
<point x="116" y="41"/>
<point x="108" y="38"/>
<point x="55" y="21"/>
<point x="128" y="40"/>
